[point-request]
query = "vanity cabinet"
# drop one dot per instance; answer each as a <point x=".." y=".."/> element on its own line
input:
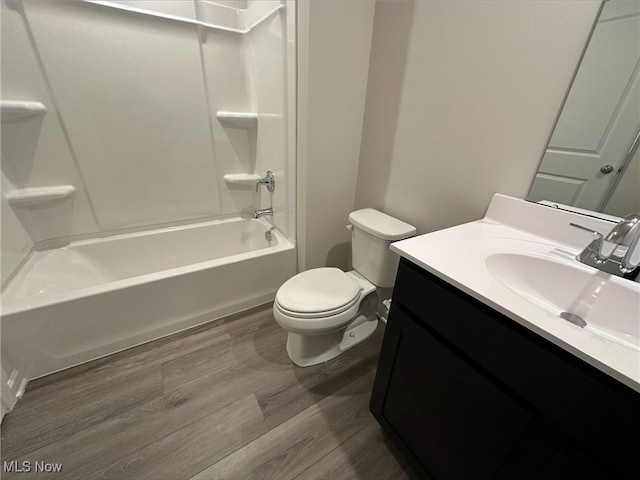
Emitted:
<point x="467" y="393"/>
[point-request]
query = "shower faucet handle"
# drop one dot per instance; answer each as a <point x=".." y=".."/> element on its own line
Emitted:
<point x="269" y="180"/>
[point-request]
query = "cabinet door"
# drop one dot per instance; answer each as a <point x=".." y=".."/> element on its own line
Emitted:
<point x="453" y="420"/>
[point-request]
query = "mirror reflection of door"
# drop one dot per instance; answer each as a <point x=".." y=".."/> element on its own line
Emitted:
<point x="601" y="116"/>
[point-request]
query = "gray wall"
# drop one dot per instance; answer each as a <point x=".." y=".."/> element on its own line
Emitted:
<point x="461" y="99"/>
<point x="334" y="40"/>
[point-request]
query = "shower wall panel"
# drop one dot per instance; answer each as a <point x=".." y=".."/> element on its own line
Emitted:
<point x="35" y="150"/>
<point x="267" y="64"/>
<point x="131" y="93"/>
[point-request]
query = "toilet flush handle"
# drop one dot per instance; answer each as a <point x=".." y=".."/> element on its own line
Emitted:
<point x="349" y="227"/>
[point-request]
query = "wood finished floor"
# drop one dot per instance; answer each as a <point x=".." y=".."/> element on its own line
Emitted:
<point x="221" y="401"/>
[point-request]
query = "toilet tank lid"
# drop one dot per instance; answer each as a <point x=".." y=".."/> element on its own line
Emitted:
<point x="381" y="225"/>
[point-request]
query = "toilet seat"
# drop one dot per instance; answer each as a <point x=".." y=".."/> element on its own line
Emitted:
<point x="316" y="293"/>
<point x="312" y="315"/>
<point x="315" y="325"/>
<point x="344" y="291"/>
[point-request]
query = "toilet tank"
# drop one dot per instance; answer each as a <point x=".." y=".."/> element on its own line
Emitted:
<point x="372" y="233"/>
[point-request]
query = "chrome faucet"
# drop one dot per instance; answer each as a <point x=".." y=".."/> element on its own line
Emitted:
<point x="269" y="180"/>
<point x="265" y="211"/>
<point x="613" y="253"/>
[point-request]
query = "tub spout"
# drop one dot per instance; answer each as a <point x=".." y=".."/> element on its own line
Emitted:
<point x="265" y="211"/>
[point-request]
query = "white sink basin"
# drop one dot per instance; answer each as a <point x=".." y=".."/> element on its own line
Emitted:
<point x="610" y="306"/>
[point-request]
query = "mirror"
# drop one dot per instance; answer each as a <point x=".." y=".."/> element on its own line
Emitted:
<point x="592" y="160"/>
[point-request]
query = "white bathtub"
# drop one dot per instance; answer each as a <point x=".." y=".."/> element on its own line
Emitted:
<point x="95" y="297"/>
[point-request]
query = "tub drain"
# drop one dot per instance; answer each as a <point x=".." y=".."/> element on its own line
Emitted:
<point x="573" y="318"/>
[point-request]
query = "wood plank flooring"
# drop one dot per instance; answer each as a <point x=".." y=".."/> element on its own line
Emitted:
<point x="221" y="401"/>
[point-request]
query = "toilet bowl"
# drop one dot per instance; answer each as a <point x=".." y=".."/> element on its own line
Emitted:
<point x="326" y="310"/>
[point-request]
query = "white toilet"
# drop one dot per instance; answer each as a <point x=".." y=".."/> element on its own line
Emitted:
<point x="327" y="311"/>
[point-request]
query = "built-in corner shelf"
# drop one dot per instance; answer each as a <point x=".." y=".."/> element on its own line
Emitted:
<point x="238" y="119"/>
<point x="15" y="109"/>
<point x="218" y="17"/>
<point x="31" y="197"/>
<point x="242" y="179"/>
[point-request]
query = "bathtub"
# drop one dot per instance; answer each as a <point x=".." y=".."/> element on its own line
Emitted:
<point x="92" y="298"/>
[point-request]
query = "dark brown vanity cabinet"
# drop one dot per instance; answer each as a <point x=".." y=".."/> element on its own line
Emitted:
<point x="467" y="393"/>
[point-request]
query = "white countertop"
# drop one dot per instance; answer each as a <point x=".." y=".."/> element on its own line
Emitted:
<point x="457" y="255"/>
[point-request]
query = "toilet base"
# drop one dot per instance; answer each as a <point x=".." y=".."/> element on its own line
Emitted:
<point x="307" y="350"/>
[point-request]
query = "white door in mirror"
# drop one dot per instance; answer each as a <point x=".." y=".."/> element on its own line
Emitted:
<point x="600" y="117"/>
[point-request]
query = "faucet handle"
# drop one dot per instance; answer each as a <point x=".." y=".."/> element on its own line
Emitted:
<point x="597" y="235"/>
<point x="598" y="239"/>
<point x="269" y="180"/>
